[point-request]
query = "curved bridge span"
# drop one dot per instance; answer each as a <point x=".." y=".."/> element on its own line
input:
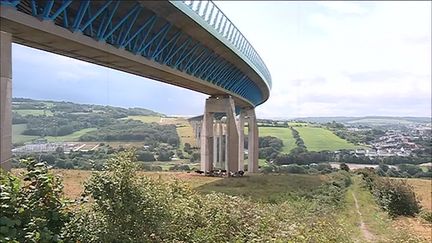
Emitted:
<point x="190" y="44"/>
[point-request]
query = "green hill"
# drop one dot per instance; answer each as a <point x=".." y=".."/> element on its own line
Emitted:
<point x="319" y="139"/>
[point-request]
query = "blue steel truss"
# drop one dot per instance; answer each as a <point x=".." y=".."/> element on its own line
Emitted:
<point x="140" y="31"/>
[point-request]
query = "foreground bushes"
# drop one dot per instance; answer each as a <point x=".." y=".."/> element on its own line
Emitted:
<point x="124" y="207"/>
<point x="32" y="210"/>
<point x="396" y="197"/>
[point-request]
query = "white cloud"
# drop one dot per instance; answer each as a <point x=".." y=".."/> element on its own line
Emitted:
<point x="313" y="71"/>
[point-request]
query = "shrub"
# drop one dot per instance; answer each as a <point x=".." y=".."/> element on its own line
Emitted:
<point x="344" y="167"/>
<point x="397" y="197"/>
<point x="32" y="211"/>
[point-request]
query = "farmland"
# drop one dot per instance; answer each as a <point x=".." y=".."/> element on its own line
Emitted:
<point x="70" y="137"/>
<point x="319" y="139"/>
<point x="282" y="133"/>
<point x="146" y="119"/>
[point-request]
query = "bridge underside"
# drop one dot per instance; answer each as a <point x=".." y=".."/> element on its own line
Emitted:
<point x="151" y="39"/>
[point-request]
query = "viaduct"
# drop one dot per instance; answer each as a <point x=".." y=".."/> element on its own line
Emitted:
<point x="190" y="44"/>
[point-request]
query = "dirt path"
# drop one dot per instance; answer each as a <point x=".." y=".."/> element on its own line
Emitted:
<point x="366" y="233"/>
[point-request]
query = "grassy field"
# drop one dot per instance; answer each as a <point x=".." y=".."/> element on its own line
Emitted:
<point x="259" y="187"/>
<point x="186" y="135"/>
<point x="73" y="137"/>
<point x="282" y="133"/>
<point x="262" y="187"/>
<point x="17" y="136"/>
<point x="146" y="119"/>
<point x="34" y="112"/>
<point x="319" y="139"/>
<point x="298" y="124"/>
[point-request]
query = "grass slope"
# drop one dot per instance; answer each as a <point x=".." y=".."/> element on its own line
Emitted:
<point x="146" y="119"/>
<point x="73" y="137"/>
<point x="262" y="187"/>
<point x="17" y="136"/>
<point x="377" y="222"/>
<point x="282" y="133"/>
<point x="319" y="139"/>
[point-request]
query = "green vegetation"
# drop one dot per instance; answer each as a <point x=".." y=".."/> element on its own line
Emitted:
<point x="18" y="137"/>
<point x="396" y="197"/>
<point x="126" y="207"/>
<point x="378" y="225"/>
<point x="75" y="136"/>
<point x="264" y="187"/>
<point x="34" y="112"/>
<point x="319" y="139"/>
<point x="282" y="133"/>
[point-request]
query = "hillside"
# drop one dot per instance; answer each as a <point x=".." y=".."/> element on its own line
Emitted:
<point x="319" y="139"/>
<point x="59" y="121"/>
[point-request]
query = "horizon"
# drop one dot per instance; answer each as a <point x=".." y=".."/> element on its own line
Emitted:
<point x="270" y="118"/>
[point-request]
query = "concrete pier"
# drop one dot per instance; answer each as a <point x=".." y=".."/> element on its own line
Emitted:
<point x="208" y="153"/>
<point x="5" y="100"/>
<point x="222" y="141"/>
<point x="252" y="141"/>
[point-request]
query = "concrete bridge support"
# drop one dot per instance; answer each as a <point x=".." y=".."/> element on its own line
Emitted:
<point x="252" y="141"/>
<point x="222" y="141"/>
<point x="219" y="105"/>
<point x="5" y="100"/>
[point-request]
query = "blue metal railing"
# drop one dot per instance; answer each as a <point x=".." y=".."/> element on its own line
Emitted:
<point x="217" y="20"/>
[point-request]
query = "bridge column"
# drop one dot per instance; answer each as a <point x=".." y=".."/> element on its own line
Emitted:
<point x="232" y="136"/>
<point x="241" y="140"/>
<point x="5" y="100"/>
<point x="207" y="140"/>
<point x="215" y="145"/>
<point x="252" y="141"/>
<point x="220" y="105"/>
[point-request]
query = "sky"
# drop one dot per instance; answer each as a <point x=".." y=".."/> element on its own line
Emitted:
<point x="326" y="59"/>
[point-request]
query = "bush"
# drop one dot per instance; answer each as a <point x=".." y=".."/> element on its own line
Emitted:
<point x="129" y="208"/>
<point x="344" y="167"/>
<point x="397" y="197"/>
<point x="32" y="211"/>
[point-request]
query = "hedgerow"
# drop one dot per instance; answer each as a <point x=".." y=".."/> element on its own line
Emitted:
<point x="396" y="197"/>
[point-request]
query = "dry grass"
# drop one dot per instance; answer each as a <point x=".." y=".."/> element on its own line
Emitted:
<point x="423" y="189"/>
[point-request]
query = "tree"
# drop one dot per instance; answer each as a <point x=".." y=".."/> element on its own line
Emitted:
<point x="344" y="167"/>
<point x="145" y="156"/>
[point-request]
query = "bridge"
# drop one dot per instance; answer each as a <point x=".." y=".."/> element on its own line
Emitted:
<point x="190" y="44"/>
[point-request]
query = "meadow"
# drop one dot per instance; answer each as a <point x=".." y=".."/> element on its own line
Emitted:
<point x="73" y="137"/>
<point x="17" y="136"/>
<point x="282" y="133"/>
<point x="319" y="139"/>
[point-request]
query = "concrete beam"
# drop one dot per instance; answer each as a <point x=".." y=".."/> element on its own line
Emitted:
<point x="5" y="100"/>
